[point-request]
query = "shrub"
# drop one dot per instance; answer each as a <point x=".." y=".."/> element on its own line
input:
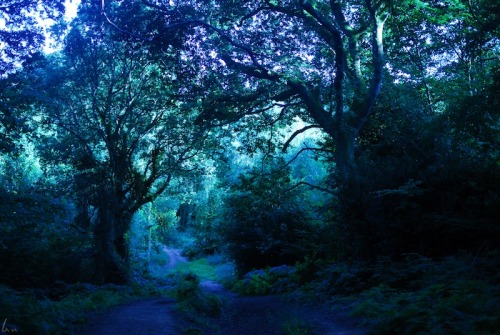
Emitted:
<point x="269" y="281"/>
<point x="265" y="223"/>
<point x="193" y="301"/>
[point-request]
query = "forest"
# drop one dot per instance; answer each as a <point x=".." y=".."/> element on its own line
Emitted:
<point x="335" y="153"/>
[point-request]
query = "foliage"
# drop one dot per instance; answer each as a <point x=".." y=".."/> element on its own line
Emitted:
<point x="14" y="117"/>
<point x="146" y="239"/>
<point x="296" y="327"/>
<point x="416" y="296"/>
<point x="38" y="244"/>
<point x="459" y="307"/>
<point x="21" y="35"/>
<point x="430" y="182"/>
<point x="265" y="223"/>
<point x="31" y="312"/>
<point x="267" y="281"/>
<point x="192" y="300"/>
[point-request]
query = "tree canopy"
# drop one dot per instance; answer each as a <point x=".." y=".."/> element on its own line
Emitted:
<point x="369" y="126"/>
<point x="21" y="34"/>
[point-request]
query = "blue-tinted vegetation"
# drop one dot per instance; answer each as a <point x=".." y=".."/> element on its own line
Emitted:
<point x="342" y="154"/>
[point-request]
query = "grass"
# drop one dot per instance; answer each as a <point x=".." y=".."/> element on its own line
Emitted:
<point x="214" y="268"/>
<point x="29" y="312"/>
<point x="201" y="268"/>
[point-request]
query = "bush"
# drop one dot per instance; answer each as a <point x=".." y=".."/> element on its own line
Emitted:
<point x="296" y="327"/>
<point x="269" y="281"/>
<point x="37" y="244"/>
<point x="193" y="301"/>
<point x="265" y="224"/>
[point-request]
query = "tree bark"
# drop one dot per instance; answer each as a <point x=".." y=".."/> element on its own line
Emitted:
<point x="112" y="256"/>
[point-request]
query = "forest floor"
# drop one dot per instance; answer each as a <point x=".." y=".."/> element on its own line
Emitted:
<point x="241" y="315"/>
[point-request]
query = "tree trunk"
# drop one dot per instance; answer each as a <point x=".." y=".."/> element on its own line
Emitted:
<point x="344" y="155"/>
<point x="111" y="247"/>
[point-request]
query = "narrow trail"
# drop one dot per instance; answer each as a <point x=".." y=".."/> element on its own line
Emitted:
<point x="269" y="315"/>
<point x="175" y="258"/>
<point x="266" y="315"/>
<point x="154" y="316"/>
<point x="151" y="316"/>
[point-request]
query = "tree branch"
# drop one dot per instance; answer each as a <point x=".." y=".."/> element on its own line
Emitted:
<point x="311" y="186"/>
<point x="295" y="134"/>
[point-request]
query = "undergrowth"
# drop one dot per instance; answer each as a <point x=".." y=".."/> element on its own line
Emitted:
<point x="455" y="295"/>
<point x="194" y="304"/>
<point x="214" y="268"/>
<point x="32" y="312"/>
<point x="273" y="280"/>
<point x="296" y="327"/>
<point x="415" y="295"/>
<point x="460" y="307"/>
<point x="192" y="300"/>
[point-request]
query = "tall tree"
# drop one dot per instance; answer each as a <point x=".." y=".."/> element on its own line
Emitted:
<point x="115" y="119"/>
<point x="323" y="59"/>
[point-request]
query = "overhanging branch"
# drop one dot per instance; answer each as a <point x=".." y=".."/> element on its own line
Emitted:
<point x="296" y="133"/>
<point x="311" y="186"/>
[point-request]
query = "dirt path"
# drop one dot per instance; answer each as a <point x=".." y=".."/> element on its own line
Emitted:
<point x="175" y="258"/>
<point x="268" y="315"/>
<point x="241" y="316"/>
<point x="151" y="316"/>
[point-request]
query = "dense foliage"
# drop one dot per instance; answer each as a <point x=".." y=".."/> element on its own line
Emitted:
<point x="265" y="223"/>
<point x="21" y="33"/>
<point x="346" y="148"/>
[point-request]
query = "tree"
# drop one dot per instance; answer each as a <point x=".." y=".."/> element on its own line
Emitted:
<point x="20" y="40"/>
<point x="265" y="222"/>
<point x="444" y="49"/>
<point x="428" y="156"/>
<point x="322" y="59"/>
<point x="13" y="104"/>
<point x="113" y="117"/>
<point x="20" y="34"/>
